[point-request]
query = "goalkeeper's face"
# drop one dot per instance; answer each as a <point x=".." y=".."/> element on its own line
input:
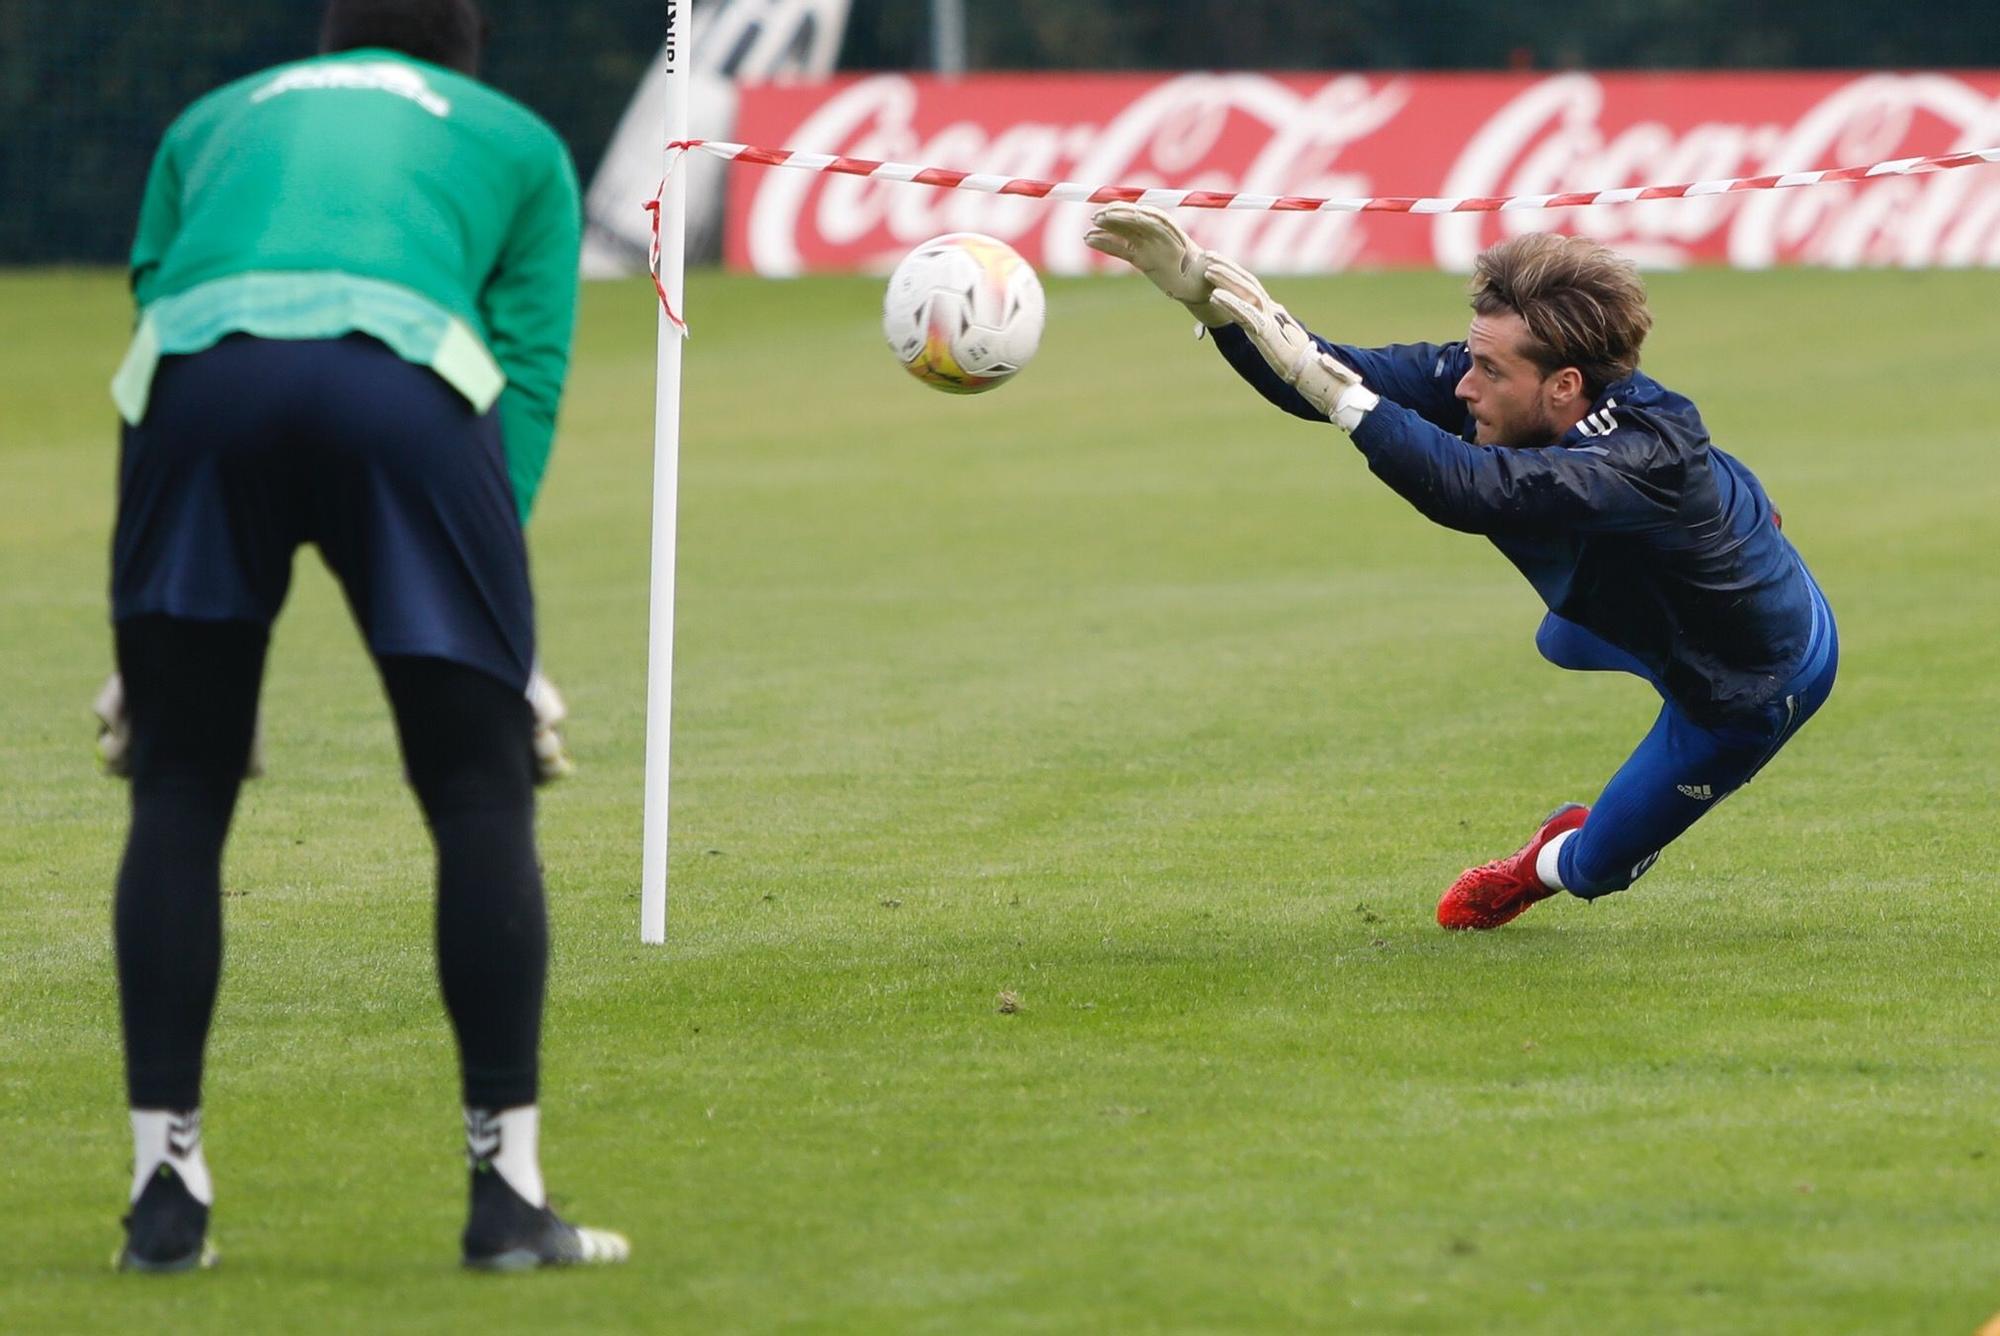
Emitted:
<point x="1514" y="402"/>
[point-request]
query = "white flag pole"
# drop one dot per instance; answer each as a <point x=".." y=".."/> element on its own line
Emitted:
<point x="948" y="37"/>
<point x="666" y="486"/>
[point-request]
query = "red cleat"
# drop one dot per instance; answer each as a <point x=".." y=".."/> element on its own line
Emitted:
<point x="1501" y="891"/>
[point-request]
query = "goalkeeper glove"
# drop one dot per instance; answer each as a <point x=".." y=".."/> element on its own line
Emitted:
<point x="1150" y="241"/>
<point x="114" y="732"/>
<point x="552" y="760"/>
<point x="1322" y="380"/>
<point x="114" y="728"/>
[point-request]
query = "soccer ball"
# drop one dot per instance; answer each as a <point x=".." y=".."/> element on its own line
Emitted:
<point x="963" y="313"/>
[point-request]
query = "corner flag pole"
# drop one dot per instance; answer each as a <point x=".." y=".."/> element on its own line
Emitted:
<point x="666" y="484"/>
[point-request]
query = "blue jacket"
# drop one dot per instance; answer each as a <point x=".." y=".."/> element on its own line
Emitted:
<point x="1633" y="525"/>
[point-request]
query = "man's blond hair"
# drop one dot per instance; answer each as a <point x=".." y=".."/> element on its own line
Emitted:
<point x="1583" y="303"/>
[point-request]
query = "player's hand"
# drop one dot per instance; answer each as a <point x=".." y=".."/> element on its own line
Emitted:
<point x="1150" y="241"/>
<point x="552" y="760"/>
<point x="114" y="728"/>
<point x="1322" y="380"/>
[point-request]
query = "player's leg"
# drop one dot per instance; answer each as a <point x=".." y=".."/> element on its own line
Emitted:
<point x="419" y="525"/>
<point x="1680" y="773"/>
<point x="1498" y="892"/>
<point x="1567" y="645"/>
<point x="192" y="689"/>
<point x="468" y="750"/>
<point x="1674" y="778"/>
<point x="1676" y="775"/>
<point x="201" y="558"/>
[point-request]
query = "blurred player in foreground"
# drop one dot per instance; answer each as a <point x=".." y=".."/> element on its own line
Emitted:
<point x="1656" y="553"/>
<point x="356" y="279"/>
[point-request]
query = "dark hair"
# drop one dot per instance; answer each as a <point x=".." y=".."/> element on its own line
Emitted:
<point x="1583" y="303"/>
<point x="444" y="32"/>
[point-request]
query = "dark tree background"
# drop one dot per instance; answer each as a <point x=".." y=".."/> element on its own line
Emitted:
<point x="1438" y="34"/>
<point x="86" y="86"/>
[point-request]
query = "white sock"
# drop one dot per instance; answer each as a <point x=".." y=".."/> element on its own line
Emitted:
<point x="510" y="1141"/>
<point x="171" y="1137"/>
<point x="1547" y="861"/>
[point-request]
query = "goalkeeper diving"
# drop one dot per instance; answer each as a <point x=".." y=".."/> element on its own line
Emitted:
<point x="1656" y="553"/>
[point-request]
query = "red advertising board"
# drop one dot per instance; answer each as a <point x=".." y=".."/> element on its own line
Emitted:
<point x="1346" y="135"/>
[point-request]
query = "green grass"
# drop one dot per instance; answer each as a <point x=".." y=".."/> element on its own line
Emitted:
<point x="1121" y="692"/>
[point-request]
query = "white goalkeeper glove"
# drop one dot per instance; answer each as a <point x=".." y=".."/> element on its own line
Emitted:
<point x="1321" y="379"/>
<point x="114" y="731"/>
<point x="1150" y="241"/>
<point x="114" y="728"/>
<point x="552" y="760"/>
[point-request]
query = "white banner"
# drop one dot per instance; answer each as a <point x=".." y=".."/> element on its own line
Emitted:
<point x="736" y="42"/>
<point x="1351" y="135"/>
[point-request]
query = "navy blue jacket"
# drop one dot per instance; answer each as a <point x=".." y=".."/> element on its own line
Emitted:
<point x="1633" y="525"/>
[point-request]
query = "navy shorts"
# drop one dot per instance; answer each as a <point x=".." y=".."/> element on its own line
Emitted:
<point x="256" y="446"/>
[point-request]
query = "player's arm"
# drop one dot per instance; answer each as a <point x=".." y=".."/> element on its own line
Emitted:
<point x="1420" y="376"/>
<point x="1247" y="362"/>
<point x="159" y="217"/>
<point x="1623" y="481"/>
<point x="529" y="306"/>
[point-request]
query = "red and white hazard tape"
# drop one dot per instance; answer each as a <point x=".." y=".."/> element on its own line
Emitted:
<point x="1070" y="192"/>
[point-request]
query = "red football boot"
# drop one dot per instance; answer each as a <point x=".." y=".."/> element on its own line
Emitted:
<point x="1501" y="891"/>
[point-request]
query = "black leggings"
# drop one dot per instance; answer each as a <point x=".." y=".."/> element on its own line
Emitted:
<point x="191" y="690"/>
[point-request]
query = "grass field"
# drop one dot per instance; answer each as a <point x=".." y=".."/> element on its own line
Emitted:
<point x="1122" y="693"/>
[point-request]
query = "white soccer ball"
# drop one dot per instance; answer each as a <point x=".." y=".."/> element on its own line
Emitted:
<point x="963" y="312"/>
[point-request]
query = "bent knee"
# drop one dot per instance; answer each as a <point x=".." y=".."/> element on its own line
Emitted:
<point x="1549" y="637"/>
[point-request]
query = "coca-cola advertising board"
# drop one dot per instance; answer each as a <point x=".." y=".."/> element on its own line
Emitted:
<point x="1351" y="135"/>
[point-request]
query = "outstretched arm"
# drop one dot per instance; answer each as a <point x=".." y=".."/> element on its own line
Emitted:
<point x="1420" y="376"/>
<point x="1623" y="481"/>
<point x="1323" y="384"/>
<point x="1621" y="484"/>
<point x="1243" y="357"/>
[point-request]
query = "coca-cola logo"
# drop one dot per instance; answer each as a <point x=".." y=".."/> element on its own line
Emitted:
<point x="1205" y="132"/>
<point x="1552" y="138"/>
<point x="1348" y="136"/>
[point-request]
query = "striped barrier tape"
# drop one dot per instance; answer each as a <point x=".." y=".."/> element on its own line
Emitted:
<point x="1070" y="192"/>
